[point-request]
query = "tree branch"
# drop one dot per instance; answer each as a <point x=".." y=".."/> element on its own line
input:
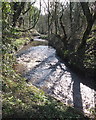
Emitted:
<point x="86" y="11"/>
<point x="17" y="12"/>
<point x="34" y="23"/>
<point x="62" y="25"/>
<point x="28" y="8"/>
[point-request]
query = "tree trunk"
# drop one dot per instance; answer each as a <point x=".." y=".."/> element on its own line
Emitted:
<point x="17" y="12"/>
<point x="48" y="21"/>
<point x="56" y="18"/>
<point x="90" y="21"/>
<point x="85" y="35"/>
<point x="64" y="39"/>
<point x="71" y="17"/>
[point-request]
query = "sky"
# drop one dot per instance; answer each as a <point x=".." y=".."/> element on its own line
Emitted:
<point x="44" y="3"/>
<point x="64" y="1"/>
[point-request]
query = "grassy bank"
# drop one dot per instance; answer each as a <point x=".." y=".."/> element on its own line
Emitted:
<point x="27" y="101"/>
<point x="22" y="100"/>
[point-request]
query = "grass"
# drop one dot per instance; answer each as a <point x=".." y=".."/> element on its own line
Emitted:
<point x="22" y="100"/>
<point x="44" y="37"/>
<point x="36" y="43"/>
<point x="29" y="102"/>
<point x="21" y="41"/>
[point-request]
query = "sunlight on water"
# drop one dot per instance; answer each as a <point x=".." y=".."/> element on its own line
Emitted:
<point x="45" y="70"/>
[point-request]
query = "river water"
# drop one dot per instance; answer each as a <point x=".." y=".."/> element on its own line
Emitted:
<point x="44" y="69"/>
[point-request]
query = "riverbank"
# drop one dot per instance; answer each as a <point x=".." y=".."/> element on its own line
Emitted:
<point x="22" y="100"/>
<point x="71" y="58"/>
<point x="41" y="65"/>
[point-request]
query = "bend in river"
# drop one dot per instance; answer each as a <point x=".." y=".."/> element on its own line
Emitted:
<point x="45" y="69"/>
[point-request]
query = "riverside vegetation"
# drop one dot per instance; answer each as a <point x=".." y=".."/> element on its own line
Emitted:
<point x="22" y="100"/>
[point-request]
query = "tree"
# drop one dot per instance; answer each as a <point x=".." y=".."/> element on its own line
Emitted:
<point x="18" y="8"/>
<point x="90" y="21"/>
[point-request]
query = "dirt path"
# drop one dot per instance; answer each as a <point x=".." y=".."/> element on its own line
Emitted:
<point x="45" y="70"/>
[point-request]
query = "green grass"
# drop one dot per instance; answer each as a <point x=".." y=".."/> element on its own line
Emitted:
<point x="21" y="41"/>
<point x="21" y="100"/>
<point x="44" y="37"/>
<point x="91" y="38"/>
<point x="25" y="101"/>
<point x="36" y="43"/>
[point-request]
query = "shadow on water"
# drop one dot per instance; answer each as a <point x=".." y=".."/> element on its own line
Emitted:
<point x="33" y="70"/>
<point x="53" y="69"/>
<point x="77" y="98"/>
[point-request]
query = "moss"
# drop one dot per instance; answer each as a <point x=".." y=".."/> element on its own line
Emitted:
<point x="91" y="38"/>
<point x="36" y="43"/>
<point x="44" y="37"/>
<point x="20" y="41"/>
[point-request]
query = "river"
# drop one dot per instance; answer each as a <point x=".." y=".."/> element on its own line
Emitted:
<point x="44" y="69"/>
